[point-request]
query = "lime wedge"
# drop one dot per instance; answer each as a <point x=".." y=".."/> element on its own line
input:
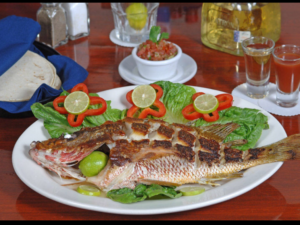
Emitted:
<point x="77" y="102"/>
<point x="143" y="96"/>
<point x="88" y="190"/>
<point x="189" y="191"/>
<point x="206" y="103"/>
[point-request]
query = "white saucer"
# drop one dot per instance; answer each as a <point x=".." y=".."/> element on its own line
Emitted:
<point x="268" y="103"/>
<point x="117" y="41"/>
<point x="186" y="70"/>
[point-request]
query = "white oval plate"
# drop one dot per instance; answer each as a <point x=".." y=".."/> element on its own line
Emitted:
<point x="49" y="185"/>
<point x="186" y="70"/>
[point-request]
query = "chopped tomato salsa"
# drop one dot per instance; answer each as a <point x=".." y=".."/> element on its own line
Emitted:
<point x="156" y="52"/>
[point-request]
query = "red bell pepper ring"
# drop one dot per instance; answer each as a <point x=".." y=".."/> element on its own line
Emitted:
<point x="211" y="117"/>
<point x="148" y="111"/>
<point x="196" y="95"/>
<point x="189" y="113"/>
<point x="94" y="112"/>
<point x="79" y="119"/>
<point x="80" y="87"/>
<point x="128" y="97"/>
<point x="59" y="109"/>
<point x="225" y="101"/>
<point x="132" y="111"/>
<point x="159" y="93"/>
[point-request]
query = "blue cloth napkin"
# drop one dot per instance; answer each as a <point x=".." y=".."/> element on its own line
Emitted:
<point x="17" y="36"/>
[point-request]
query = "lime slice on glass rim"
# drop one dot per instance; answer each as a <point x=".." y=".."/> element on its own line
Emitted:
<point x="143" y="96"/>
<point x="77" y="102"/>
<point x="90" y="190"/>
<point x="206" y="103"/>
<point x="189" y="191"/>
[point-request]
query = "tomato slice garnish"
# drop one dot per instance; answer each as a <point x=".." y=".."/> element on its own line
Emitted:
<point x="225" y="101"/>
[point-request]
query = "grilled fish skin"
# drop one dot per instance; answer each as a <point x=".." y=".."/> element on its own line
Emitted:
<point x="153" y="151"/>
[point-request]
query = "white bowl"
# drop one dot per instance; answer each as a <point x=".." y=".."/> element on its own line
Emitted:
<point x="157" y="70"/>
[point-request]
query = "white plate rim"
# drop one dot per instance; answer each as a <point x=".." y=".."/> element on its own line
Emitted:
<point x="184" y="56"/>
<point x="85" y="202"/>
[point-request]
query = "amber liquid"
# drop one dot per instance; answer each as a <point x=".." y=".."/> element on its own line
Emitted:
<point x="222" y="21"/>
<point x="258" y="65"/>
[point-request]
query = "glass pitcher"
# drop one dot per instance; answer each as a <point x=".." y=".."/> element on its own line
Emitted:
<point x="225" y="25"/>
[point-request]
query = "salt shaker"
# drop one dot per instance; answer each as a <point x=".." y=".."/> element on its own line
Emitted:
<point x="53" y="22"/>
<point x="78" y="19"/>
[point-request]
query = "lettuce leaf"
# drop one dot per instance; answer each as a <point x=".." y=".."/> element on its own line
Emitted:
<point x="57" y="124"/>
<point x="176" y="96"/>
<point x="251" y="122"/>
<point x="141" y="193"/>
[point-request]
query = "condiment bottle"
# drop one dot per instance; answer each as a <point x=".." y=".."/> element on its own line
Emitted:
<point x="54" y="30"/>
<point x="78" y="19"/>
<point x="225" y="25"/>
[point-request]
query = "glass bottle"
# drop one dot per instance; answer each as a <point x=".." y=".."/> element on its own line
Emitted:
<point x="78" y="19"/>
<point x="225" y="25"/>
<point x="54" y="30"/>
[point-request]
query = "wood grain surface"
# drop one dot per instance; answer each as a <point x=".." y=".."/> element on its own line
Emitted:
<point x="278" y="198"/>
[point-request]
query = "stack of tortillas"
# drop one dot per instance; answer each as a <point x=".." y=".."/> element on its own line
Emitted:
<point x="20" y="81"/>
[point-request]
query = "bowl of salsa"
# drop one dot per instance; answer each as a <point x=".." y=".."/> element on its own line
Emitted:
<point x="157" y="60"/>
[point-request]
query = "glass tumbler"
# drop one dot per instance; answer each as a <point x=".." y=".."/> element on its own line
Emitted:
<point x="133" y="22"/>
<point x="257" y="53"/>
<point x="287" y="72"/>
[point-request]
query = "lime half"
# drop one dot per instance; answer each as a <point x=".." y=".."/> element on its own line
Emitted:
<point x="206" y="103"/>
<point x="143" y="96"/>
<point x="88" y="190"/>
<point x="137" y="14"/>
<point x="189" y="191"/>
<point x="77" y="102"/>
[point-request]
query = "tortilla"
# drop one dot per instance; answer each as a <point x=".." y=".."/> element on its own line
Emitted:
<point x="20" y="81"/>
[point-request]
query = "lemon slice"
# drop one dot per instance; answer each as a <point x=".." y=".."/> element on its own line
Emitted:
<point x="77" y="102"/>
<point x="189" y="191"/>
<point x="206" y="103"/>
<point x="143" y="96"/>
<point x="88" y="190"/>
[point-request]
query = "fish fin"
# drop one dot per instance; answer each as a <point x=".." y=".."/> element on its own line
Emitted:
<point x="217" y="132"/>
<point x="217" y="177"/>
<point x="285" y="149"/>
<point x="163" y="183"/>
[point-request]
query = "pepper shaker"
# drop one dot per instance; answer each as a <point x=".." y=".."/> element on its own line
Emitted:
<point x="53" y="21"/>
<point x="78" y="19"/>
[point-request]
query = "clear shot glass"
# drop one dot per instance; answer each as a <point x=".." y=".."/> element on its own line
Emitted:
<point x="257" y="53"/>
<point x="287" y="72"/>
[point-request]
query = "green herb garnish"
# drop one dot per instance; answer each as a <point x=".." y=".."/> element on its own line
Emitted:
<point x="154" y="32"/>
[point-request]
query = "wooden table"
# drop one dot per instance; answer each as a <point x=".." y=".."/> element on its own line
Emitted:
<point x="278" y="198"/>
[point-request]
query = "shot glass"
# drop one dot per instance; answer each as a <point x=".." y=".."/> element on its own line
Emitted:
<point x="287" y="73"/>
<point x="134" y="27"/>
<point x="257" y="53"/>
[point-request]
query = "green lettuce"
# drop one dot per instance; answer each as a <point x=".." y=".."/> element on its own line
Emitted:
<point x="141" y="193"/>
<point x="176" y="96"/>
<point x="251" y="122"/>
<point x="57" y="124"/>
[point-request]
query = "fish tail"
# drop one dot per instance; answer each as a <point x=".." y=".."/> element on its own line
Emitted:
<point x="283" y="150"/>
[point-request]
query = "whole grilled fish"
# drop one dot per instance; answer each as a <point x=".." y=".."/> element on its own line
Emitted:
<point x="153" y="151"/>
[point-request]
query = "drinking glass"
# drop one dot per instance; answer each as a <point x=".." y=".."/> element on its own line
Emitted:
<point x="133" y="28"/>
<point x="257" y="53"/>
<point x="287" y="72"/>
